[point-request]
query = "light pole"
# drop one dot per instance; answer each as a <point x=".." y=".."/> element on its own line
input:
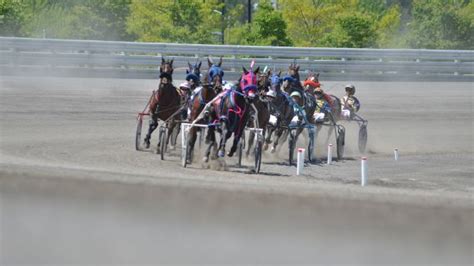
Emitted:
<point x="222" y="22"/>
<point x="249" y="10"/>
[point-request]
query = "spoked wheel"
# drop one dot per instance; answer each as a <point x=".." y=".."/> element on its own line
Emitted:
<point x="291" y="146"/>
<point x="310" y="144"/>
<point x="362" y="138"/>
<point x="241" y="149"/>
<point x="138" y="135"/>
<point x="258" y="154"/>
<point x="162" y="142"/>
<point x="340" y="141"/>
<point x="184" y="149"/>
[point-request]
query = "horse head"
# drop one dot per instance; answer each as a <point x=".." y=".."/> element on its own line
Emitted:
<point x="166" y="66"/>
<point x="248" y="82"/>
<point x="264" y="81"/>
<point x="194" y="73"/>
<point x="293" y="71"/>
<point x="275" y="81"/>
<point x="214" y="75"/>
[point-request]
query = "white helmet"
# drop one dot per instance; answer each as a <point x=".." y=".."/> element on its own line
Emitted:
<point x="185" y="85"/>
<point x="295" y="94"/>
<point x="271" y="93"/>
<point x="228" y="86"/>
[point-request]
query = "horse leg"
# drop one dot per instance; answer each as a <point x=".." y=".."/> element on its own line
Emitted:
<point x="174" y="138"/>
<point x="153" y="124"/>
<point x="212" y="139"/>
<point x="191" y="142"/>
<point x="171" y="128"/>
<point x="223" y="140"/>
<point x="237" y="136"/>
<point x="278" y="134"/>
<point x="250" y="142"/>
<point x="268" y="137"/>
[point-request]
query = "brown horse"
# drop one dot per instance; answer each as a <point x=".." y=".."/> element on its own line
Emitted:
<point x="164" y="102"/>
<point x="327" y="104"/>
<point x="211" y="86"/>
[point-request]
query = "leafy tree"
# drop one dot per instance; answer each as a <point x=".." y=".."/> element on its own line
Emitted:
<point x="388" y="28"/>
<point x="267" y="28"/>
<point x="171" y="21"/>
<point x="353" y="31"/>
<point x="12" y="17"/>
<point x="308" y="20"/>
<point x="77" y="19"/>
<point x="441" y="24"/>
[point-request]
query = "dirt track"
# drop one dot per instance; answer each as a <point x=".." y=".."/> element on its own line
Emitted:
<point x="59" y="136"/>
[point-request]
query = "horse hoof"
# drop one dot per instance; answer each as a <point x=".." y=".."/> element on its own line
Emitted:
<point x="221" y="154"/>
<point x="230" y="154"/>
<point x="205" y="159"/>
<point x="265" y="146"/>
<point x="146" y="143"/>
<point x="272" y="150"/>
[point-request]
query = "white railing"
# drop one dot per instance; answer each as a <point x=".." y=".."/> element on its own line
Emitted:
<point x="140" y="60"/>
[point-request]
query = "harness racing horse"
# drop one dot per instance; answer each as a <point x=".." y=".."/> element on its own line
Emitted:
<point x="230" y="113"/>
<point x="167" y="106"/>
<point x="193" y="74"/>
<point x="163" y="102"/>
<point x="304" y="105"/>
<point x="328" y="107"/>
<point x="260" y="103"/>
<point x="281" y="112"/>
<point x="211" y="86"/>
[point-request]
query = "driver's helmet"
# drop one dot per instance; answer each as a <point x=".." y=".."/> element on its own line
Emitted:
<point x="271" y="93"/>
<point x="228" y="86"/>
<point x="289" y="78"/>
<point x="295" y="94"/>
<point x="350" y="89"/>
<point x="185" y="86"/>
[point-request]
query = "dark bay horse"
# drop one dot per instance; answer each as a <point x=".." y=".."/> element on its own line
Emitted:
<point x="164" y="102"/>
<point x="193" y="79"/>
<point x="211" y="86"/>
<point x="281" y="111"/>
<point x="230" y="111"/>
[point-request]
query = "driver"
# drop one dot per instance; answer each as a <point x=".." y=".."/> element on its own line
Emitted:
<point x="349" y="103"/>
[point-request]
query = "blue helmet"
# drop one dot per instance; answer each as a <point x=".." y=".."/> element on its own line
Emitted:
<point x="289" y="78"/>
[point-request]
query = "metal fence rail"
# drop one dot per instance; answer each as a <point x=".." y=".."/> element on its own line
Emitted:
<point x="140" y="60"/>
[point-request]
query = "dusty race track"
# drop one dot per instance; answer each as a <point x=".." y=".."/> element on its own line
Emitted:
<point x="74" y="190"/>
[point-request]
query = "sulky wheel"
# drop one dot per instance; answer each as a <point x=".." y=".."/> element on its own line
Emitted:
<point x="310" y="144"/>
<point x="362" y="138"/>
<point x="162" y="142"/>
<point x="340" y="141"/>
<point x="291" y="146"/>
<point x="258" y="154"/>
<point x="241" y="149"/>
<point x="185" y="151"/>
<point x="138" y="134"/>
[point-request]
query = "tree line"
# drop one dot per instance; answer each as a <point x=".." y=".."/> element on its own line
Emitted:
<point x="435" y="24"/>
